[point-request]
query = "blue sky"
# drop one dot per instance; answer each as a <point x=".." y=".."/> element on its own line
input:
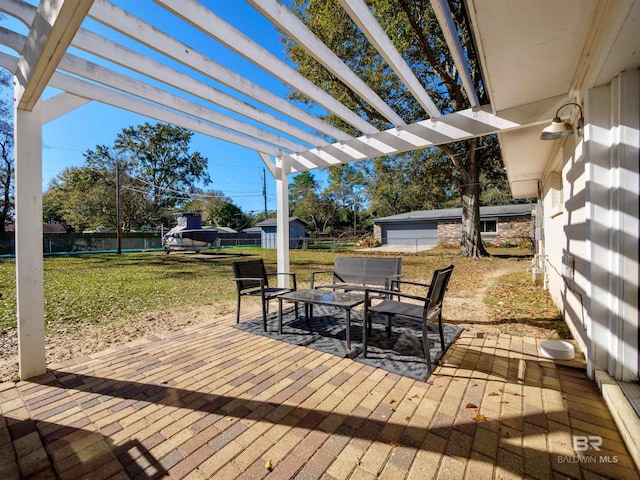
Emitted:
<point x="234" y="170"/>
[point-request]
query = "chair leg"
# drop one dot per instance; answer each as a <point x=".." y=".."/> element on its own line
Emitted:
<point x="425" y="347"/>
<point x="441" y="328"/>
<point x="265" y="306"/>
<point x="238" y="311"/>
<point x="388" y="326"/>
<point x="365" y="328"/>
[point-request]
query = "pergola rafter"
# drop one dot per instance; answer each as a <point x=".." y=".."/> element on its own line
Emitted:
<point x="182" y="85"/>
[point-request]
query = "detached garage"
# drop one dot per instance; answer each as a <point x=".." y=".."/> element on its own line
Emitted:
<point x="499" y="225"/>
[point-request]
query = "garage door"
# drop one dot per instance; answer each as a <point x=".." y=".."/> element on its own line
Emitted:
<point x="419" y="233"/>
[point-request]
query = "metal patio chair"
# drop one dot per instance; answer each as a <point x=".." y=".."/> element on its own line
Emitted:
<point x="427" y="310"/>
<point x="252" y="279"/>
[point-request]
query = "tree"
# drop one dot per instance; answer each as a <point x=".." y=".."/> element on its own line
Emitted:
<point x="319" y="209"/>
<point x="80" y="198"/>
<point x="415" y="32"/>
<point x="303" y="185"/>
<point x="158" y="155"/>
<point x="218" y="209"/>
<point x="135" y="206"/>
<point x="6" y="150"/>
<point x="157" y="172"/>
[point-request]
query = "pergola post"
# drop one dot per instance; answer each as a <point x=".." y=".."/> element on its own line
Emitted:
<point x="28" y="241"/>
<point x="282" y="220"/>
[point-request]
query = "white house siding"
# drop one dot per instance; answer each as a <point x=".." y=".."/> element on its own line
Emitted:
<point x="565" y="235"/>
<point x="594" y="218"/>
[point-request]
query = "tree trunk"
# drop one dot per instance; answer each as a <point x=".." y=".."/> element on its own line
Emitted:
<point x="471" y="242"/>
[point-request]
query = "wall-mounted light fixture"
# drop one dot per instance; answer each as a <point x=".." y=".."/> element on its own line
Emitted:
<point x="560" y="129"/>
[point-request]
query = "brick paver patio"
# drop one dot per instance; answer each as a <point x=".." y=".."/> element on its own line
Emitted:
<point x="214" y="402"/>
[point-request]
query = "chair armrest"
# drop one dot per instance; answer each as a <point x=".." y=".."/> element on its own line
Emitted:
<point x="408" y="282"/>
<point x="313" y="276"/>
<point x="290" y="274"/>
<point x="390" y="293"/>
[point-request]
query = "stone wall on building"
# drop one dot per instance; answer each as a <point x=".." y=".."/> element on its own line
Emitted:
<point x="449" y="233"/>
<point x="512" y="231"/>
<point x="377" y="232"/>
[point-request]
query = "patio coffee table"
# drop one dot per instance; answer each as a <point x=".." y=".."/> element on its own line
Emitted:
<point x="318" y="296"/>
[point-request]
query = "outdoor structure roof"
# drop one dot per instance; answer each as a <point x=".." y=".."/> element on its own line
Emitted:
<point x="152" y="72"/>
<point x="518" y="210"/>
<point x="272" y="222"/>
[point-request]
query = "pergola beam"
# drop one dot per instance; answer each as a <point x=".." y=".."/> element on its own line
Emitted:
<point x="61" y="104"/>
<point x="362" y="16"/>
<point x="110" y="97"/>
<point x="209" y="23"/>
<point x="123" y="56"/>
<point x="140" y="31"/>
<point x="457" y="126"/>
<point x="449" y="29"/>
<point x="53" y="28"/>
<point x="287" y="21"/>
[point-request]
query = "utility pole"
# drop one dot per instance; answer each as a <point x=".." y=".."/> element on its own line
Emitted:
<point x="118" y="226"/>
<point x="264" y="191"/>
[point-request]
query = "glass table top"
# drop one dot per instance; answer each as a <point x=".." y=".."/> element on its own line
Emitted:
<point x="328" y="297"/>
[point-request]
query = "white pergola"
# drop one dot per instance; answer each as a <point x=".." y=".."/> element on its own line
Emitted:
<point x="287" y="138"/>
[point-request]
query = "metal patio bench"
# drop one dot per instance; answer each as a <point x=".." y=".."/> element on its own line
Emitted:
<point x="358" y="273"/>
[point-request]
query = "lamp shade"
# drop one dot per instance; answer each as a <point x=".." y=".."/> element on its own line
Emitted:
<point x="557" y="129"/>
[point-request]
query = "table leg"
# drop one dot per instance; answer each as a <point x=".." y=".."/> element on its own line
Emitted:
<point x="364" y="333"/>
<point x="280" y="316"/>
<point x="348" y="329"/>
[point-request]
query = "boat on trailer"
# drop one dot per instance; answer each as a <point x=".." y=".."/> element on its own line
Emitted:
<point x="188" y="234"/>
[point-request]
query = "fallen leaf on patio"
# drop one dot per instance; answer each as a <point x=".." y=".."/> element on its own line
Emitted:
<point x="511" y="393"/>
<point x="392" y="402"/>
<point x="416" y="396"/>
<point x="471" y="405"/>
<point x="474" y="385"/>
<point x="269" y="466"/>
<point x="493" y="394"/>
<point x="480" y="418"/>
<point x="507" y="435"/>
<point x="504" y="401"/>
<point x="407" y="418"/>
